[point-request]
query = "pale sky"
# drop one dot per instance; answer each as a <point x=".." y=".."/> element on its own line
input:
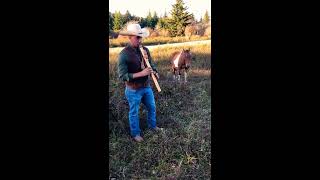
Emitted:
<point x="141" y="7"/>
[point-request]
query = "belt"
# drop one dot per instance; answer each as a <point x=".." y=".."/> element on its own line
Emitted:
<point x="135" y="85"/>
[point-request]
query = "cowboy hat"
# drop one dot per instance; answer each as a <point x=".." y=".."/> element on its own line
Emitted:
<point x="135" y="30"/>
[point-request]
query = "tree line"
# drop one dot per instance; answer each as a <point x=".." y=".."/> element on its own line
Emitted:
<point x="175" y="24"/>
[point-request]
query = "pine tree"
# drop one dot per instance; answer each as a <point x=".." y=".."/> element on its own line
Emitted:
<point x="127" y="17"/>
<point x="135" y="18"/>
<point x="142" y="22"/>
<point x="149" y="20"/>
<point x="180" y="18"/>
<point x="206" y="17"/>
<point x="154" y="19"/>
<point x="117" y="21"/>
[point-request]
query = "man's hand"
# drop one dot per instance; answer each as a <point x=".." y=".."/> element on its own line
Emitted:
<point x="147" y="71"/>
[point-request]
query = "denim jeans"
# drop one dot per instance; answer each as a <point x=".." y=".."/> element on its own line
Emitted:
<point x="135" y="97"/>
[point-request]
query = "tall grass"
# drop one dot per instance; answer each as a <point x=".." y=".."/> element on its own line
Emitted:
<point x="120" y="42"/>
<point x="183" y="149"/>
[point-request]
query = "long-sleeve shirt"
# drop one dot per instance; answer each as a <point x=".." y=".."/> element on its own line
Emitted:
<point x="125" y="59"/>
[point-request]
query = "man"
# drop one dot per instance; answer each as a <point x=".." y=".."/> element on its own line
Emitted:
<point x="134" y="72"/>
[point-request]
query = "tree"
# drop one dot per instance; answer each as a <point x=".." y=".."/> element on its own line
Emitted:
<point x="142" y="22"/>
<point x="161" y="24"/>
<point x="117" y="21"/>
<point x="192" y="19"/>
<point x="149" y="20"/>
<point x="180" y="18"/>
<point x="135" y="18"/>
<point x="127" y="17"/>
<point x="206" y="17"/>
<point x="110" y="21"/>
<point x="154" y="19"/>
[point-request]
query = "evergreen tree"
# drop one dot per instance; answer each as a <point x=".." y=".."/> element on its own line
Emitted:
<point x="127" y="17"/>
<point x="154" y="20"/>
<point x="206" y="17"/>
<point x="160" y="24"/>
<point x="180" y="18"/>
<point x="117" y="21"/>
<point x="142" y="22"/>
<point x="135" y="18"/>
<point x="149" y="20"/>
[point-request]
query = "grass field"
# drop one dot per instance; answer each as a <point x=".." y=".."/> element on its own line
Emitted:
<point x="120" y="42"/>
<point x="183" y="149"/>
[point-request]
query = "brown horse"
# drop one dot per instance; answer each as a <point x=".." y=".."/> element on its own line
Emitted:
<point x="180" y="61"/>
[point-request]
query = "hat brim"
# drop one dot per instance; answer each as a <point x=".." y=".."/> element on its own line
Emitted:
<point x="144" y="33"/>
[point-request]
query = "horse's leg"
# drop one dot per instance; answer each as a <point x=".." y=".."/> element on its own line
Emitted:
<point x="179" y="74"/>
<point x="174" y="74"/>
<point x="185" y="75"/>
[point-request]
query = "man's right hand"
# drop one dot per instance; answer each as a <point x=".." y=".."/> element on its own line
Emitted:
<point x="147" y="71"/>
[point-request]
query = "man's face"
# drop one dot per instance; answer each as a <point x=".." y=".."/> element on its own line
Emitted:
<point x="135" y="40"/>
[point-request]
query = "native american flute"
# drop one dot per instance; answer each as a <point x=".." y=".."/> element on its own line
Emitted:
<point x="146" y="59"/>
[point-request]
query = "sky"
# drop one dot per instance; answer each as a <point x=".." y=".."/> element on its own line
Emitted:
<point x="141" y="7"/>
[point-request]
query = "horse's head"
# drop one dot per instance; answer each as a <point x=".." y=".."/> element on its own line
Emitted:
<point x="187" y="57"/>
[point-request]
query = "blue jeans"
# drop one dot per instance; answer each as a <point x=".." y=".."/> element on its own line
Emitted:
<point x="135" y="97"/>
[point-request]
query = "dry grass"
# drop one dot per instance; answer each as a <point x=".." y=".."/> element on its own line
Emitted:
<point x="122" y="41"/>
<point x="183" y="149"/>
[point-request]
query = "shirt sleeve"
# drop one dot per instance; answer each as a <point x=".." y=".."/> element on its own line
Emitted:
<point x="123" y="68"/>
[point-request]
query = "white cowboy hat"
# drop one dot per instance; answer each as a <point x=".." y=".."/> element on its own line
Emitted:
<point x="135" y="30"/>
